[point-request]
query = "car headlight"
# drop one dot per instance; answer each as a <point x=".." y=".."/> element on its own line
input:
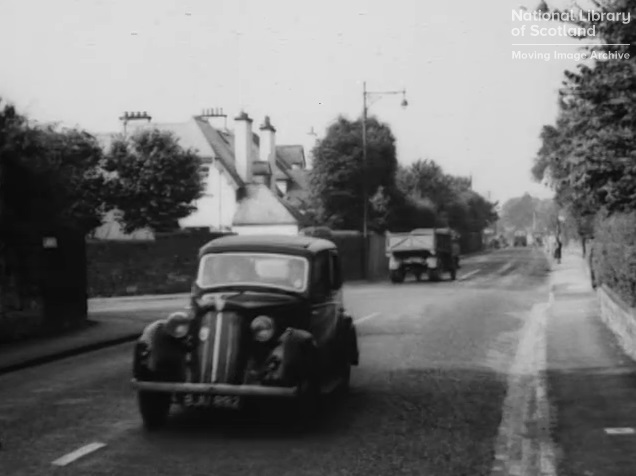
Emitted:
<point x="178" y="324"/>
<point x="262" y="328"/>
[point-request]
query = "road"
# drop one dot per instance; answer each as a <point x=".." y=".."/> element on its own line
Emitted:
<point x="427" y="398"/>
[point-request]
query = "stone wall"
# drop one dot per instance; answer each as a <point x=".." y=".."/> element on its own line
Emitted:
<point x="619" y="318"/>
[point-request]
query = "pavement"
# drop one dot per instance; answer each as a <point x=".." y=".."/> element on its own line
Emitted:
<point x="590" y="379"/>
<point x="111" y="321"/>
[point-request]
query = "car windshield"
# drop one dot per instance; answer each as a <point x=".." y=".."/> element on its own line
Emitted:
<point x="255" y="269"/>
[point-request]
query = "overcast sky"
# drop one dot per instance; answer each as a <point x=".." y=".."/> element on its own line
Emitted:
<point x="471" y="107"/>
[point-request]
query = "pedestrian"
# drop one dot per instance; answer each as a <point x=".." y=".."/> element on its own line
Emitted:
<point x="591" y="266"/>
<point x="557" y="250"/>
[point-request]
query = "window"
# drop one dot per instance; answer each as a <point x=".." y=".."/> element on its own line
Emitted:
<point x="253" y="269"/>
<point x="204" y="173"/>
<point x="336" y="278"/>
<point x="321" y="274"/>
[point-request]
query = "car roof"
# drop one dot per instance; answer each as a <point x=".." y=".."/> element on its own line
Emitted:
<point x="288" y="244"/>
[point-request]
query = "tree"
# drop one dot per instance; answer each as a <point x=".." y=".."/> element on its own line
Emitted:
<point x="519" y="212"/>
<point x="154" y="181"/>
<point x="450" y="197"/>
<point x="338" y="174"/>
<point x="50" y="175"/>
<point x="590" y="153"/>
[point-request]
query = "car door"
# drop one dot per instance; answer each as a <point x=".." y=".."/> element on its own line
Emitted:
<point x="325" y="308"/>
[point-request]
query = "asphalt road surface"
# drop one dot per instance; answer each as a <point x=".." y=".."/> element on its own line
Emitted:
<point x="427" y="398"/>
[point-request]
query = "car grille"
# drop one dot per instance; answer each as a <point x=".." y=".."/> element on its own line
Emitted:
<point x="220" y="351"/>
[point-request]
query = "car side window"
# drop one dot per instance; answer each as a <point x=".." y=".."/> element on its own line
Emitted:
<point x="336" y="278"/>
<point x="321" y="274"/>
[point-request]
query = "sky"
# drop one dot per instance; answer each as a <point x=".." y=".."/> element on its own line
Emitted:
<point x="472" y="108"/>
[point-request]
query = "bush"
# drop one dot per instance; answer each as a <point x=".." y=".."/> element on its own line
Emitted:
<point x="614" y="254"/>
<point x="166" y="265"/>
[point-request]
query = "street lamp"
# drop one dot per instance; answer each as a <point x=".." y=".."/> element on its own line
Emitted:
<point x="365" y="209"/>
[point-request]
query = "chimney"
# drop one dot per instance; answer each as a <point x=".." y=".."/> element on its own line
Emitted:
<point x="243" y="146"/>
<point x="268" y="149"/>
<point x="215" y="117"/>
<point x="134" y="116"/>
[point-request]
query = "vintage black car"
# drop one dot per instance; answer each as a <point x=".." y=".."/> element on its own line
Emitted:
<point x="266" y="320"/>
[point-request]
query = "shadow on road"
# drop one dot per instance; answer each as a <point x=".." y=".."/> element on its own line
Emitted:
<point x="432" y="421"/>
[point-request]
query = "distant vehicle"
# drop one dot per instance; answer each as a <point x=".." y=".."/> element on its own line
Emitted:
<point x="266" y="320"/>
<point x="431" y="251"/>
<point x="520" y="238"/>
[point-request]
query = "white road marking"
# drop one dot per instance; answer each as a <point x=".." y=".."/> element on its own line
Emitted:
<point x="505" y="267"/>
<point x="620" y="431"/>
<point x="77" y="454"/>
<point x="468" y="275"/>
<point x="365" y="318"/>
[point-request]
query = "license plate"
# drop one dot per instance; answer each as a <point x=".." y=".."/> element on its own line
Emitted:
<point x="218" y="401"/>
<point x="226" y="401"/>
<point x="197" y="400"/>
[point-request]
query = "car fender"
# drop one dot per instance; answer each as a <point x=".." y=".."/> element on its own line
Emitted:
<point x="294" y="358"/>
<point x="158" y="356"/>
<point x="351" y="339"/>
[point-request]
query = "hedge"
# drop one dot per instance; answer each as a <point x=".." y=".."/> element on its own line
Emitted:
<point x="613" y="256"/>
<point x="168" y="264"/>
<point x="165" y="265"/>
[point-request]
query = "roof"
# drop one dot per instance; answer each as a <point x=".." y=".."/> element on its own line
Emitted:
<point x="259" y="206"/>
<point x="196" y="134"/>
<point x="303" y="245"/>
<point x="291" y="155"/>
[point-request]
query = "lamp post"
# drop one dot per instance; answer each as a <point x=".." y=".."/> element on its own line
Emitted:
<point x="365" y="193"/>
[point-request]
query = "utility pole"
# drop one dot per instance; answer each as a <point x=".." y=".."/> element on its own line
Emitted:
<point x="365" y="200"/>
<point x="365" y="185"/>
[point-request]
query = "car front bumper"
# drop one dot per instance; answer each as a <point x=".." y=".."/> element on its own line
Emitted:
<point x="215" y="389"/>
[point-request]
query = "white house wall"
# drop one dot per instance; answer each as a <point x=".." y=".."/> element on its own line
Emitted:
<point x="215" y="209"/>
<point x="266" y="230"/>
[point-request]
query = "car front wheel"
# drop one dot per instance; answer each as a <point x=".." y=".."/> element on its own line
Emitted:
<point x="154" y="408"/>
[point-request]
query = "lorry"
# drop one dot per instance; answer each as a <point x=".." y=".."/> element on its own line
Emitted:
<point x="430" y="251"/>
<point x="520" y="238"/>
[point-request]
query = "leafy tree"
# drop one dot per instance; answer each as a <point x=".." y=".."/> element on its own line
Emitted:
<point x="50" y="175"/>
<point x="590" y="153"/>
<point x="451" y="197"/>
<point x="518" y="212"/>
<point x="154" y="181"/>
<point x="338" y="174"/>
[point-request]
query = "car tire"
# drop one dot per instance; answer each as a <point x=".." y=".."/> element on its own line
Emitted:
<point x="345" y="385"/>
<point x="154" y="408"/>
<point x="308" y="403"/>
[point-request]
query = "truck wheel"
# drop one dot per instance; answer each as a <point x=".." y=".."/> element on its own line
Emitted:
<point x="453" y="273"/>
<point x="397" y="276"/>
<point x="154" y="408"/>
<point x="433" y="275"/>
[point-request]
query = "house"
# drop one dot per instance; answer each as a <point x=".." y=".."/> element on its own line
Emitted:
<point x="251" y="184"/>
